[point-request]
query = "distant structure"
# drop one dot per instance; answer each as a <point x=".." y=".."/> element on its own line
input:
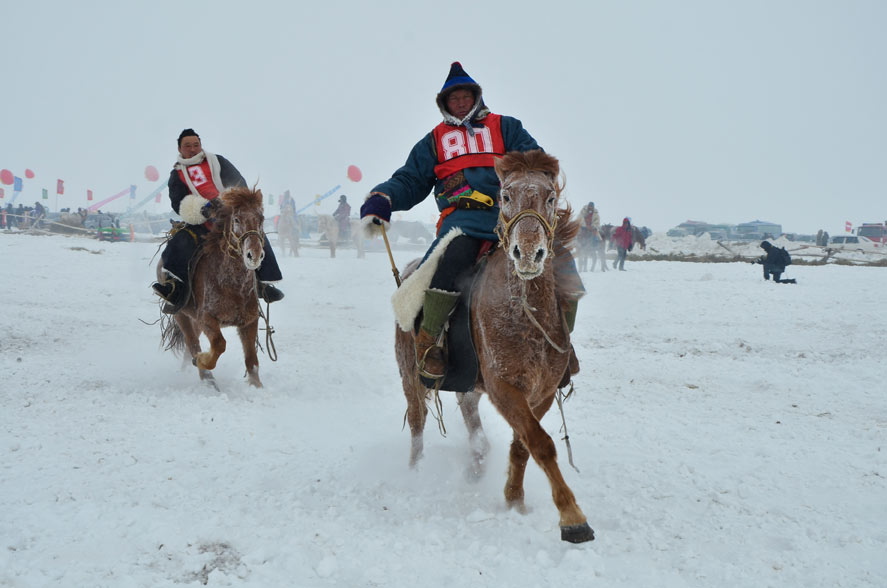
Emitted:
<point x="751" y="231"/>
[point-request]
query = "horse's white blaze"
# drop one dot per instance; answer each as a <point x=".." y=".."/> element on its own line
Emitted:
<point x="251" y="259"/>
<point x="528" y="248"/>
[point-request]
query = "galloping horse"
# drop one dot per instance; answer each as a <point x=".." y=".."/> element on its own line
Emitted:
<point x="223" y="286"/>
<point x="519" y="333"/>
<point x="288" y="232"/>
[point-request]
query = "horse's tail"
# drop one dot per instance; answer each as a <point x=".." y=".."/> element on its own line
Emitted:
<point x="171" y="336"/>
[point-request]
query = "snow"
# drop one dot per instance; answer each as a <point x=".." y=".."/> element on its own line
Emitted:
<point x="728" y="432"/>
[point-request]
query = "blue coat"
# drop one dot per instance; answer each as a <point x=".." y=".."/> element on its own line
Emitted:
<point x="414" y="181"/>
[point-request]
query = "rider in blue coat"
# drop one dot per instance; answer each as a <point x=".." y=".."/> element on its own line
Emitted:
<point x="454" y="162"/>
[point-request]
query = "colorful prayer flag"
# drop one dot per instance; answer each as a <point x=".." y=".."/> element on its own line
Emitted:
<point x="45" y="194"/>
<point x="89" y="194"/>
<point x="157" y="198"/>
<point x="60" y="187"/>
<point x="132" y="192"/>
<point x="848" y="226"/>
<point x="1" y="192"/>
<point x="17" y="184"/>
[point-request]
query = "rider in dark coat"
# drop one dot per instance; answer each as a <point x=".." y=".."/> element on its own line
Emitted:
<point x="194" y="186"/>
<point x="455" y="161"/>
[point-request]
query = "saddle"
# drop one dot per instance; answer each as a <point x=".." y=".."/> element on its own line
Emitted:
<point x="462" y="364"/>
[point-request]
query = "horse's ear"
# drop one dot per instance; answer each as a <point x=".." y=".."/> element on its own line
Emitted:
<point x="501" y="165"/>
<point x="259" y="196"/>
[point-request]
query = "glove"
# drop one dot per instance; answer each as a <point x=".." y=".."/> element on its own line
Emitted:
<point x="376" y="206"/>
<point x="375" y="211"/>
<point x="210" y="209"/>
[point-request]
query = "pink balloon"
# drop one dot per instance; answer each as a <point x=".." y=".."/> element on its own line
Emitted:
<point x="29" y="174"/>
<point x="152" y="174"/>
<point x="354" y="173"/>
<point x="6" y="177"/>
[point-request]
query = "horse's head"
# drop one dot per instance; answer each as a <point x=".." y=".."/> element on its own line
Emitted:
<point x="241" y="219"/>
<point x="528" y="209"/>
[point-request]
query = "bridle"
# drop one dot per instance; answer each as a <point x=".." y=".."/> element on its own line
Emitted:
<point x="503" y="227"/>
<point x="234" y="243"/>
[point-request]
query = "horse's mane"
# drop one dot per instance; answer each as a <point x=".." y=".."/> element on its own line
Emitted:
<point x="538" y="161"/>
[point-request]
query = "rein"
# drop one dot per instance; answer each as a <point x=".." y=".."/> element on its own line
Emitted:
<point x="529" y="310"/>
<point x="503" y="230"/>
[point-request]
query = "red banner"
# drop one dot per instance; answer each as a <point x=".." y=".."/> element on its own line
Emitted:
<point x="1" y="192"/>
<point x="89" y="194"/>
<point x="848" y="226"/>
<point x="60" y="187"/>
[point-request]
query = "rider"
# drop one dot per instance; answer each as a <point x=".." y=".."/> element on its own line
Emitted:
<point x="455" y="160"/>
<point x="343" y="217"/>
<point x="195" y="183"/>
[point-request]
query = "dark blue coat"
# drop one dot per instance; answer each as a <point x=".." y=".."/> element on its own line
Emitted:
<point x="414" y="181"/>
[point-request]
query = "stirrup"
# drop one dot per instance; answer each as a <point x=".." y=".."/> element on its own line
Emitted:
<point x="167" y="292"/>
<point x="420" y="364"/>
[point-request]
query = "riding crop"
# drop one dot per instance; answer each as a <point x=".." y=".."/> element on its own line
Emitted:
<point x="388" y="248"/>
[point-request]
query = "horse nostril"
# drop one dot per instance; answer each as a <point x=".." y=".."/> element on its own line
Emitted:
<point x="516" y="252"/>
<point x="539" y="254"/>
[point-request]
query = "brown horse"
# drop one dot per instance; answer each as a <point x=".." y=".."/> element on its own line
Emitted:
<point x="288" y="232"/>
<point x="223" y="286"/>
<point x="519" y="333"/>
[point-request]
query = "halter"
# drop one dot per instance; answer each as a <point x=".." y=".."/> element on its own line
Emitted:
<point x="234" y="243"/>
<point x="503" y="228"/>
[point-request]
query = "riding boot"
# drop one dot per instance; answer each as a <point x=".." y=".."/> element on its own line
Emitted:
<point x="430" y="358"/>
<point x="269" y="293"/>
<point x="573" y="366"/>
<point x="174" y="292"/>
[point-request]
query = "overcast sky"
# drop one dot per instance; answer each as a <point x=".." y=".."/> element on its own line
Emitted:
<point x="662" y="111"/>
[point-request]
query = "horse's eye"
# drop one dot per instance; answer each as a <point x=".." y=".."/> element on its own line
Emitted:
<point x="505" y="197"/>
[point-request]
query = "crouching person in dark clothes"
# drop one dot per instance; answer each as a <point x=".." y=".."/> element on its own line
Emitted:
<point x="194" y="186"/>
<point x="774" y="261"/>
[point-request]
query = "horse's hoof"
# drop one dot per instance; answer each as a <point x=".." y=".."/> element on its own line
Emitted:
<point x="577" y="533"/>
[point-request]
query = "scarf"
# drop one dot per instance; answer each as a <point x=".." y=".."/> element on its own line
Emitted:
<point x="214" y="168"/>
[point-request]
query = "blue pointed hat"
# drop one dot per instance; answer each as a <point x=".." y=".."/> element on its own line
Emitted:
<point x="457" y="77"/>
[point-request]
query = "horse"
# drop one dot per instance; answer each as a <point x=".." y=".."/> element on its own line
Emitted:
<point x="637" y="235"/>
<point x="413" y="231"/>
<point x="519" y="332"/>
<point x="329" y="226"/>
<point x="223" y="286"/>
<point x="288" y="232"/>
<point x="590" y="245"/>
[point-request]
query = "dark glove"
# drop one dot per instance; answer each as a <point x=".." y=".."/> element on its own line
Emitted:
<point x="378" y="207"/>
<point x="211" y="208"/>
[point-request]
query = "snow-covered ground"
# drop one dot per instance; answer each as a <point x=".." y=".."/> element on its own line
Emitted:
<point x="728" y="432"/>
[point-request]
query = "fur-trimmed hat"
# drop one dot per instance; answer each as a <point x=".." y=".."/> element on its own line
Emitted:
<point x="457" y="79"/>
